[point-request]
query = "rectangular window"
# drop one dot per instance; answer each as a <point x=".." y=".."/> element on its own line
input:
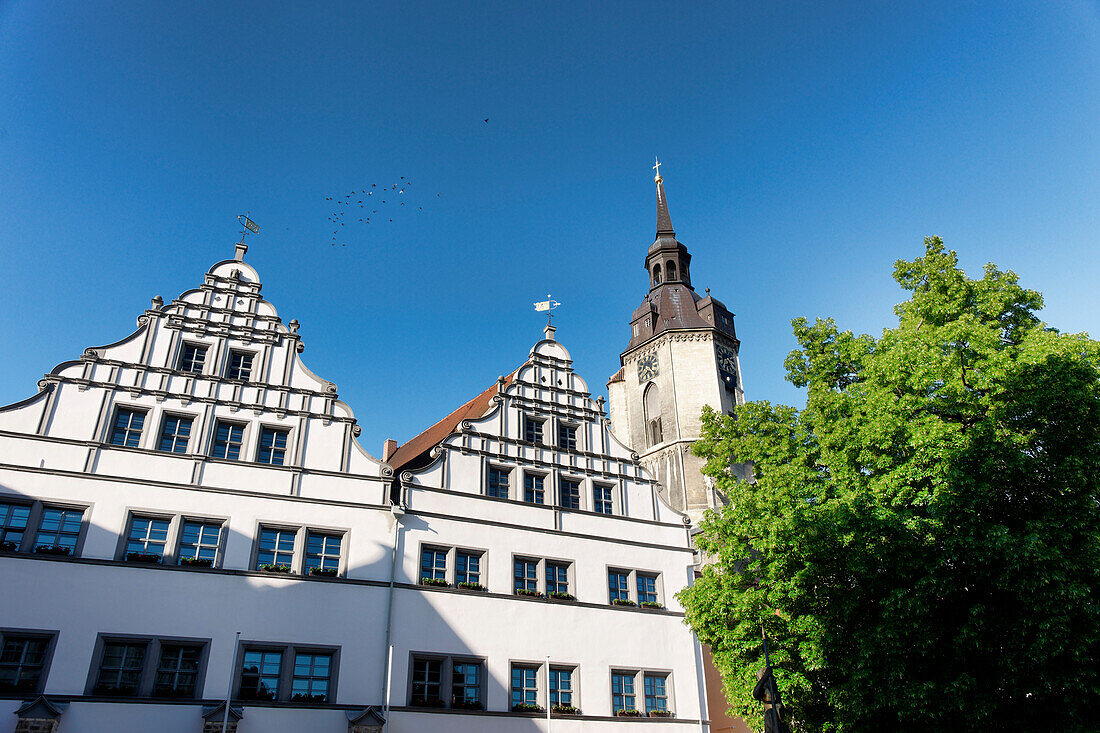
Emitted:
<point x="467" y="567"/>
<point x="466" y="685"/>
<point x="127" y="427"/>
<point x="525" y="686"/>
<point x="240" y="365"/>
<point x="272" y="446"/>
<point x="427" y="683"/>
<point x="177" y="671"/>
<point x="622" y="691"/>
<point x="228" y="439"/>
<point x="175" y="433"/>
<point x="59" y="528"/>
<point x="561" y="687"/>
<point x="323" y="551"/>
<point x="148" y="536"/>
<point x="532" y="430"/>
<point x="260" y="674"/>
<point x="22" y="659"/>
<point x="276" y="547"/>
<point x="617" y="584"/>
<point x="601" y="499"/>
<point x="647" y="588"/>
<point x="497" y="483"/>
<point x="567" y="436"/>
<point x="557" y="577"/>
<point x="199" y="541"/>
<point x="533" y="488"/>
<point x="570" y="494"/>
<point x="13" y="525"/>
<point x="656" y="693"/>
<point x="192" y="357"/>
<point x="311" y="677"/>
<point x="526" y="575"/>
<point x="120" y="668"/>
<point x="433" y="564"/>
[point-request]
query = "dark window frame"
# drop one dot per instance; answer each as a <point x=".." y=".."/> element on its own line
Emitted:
<point x="113" y="427"/>
<point x="446" y="678"/>
<point x="233" y="371"/>
<point x="573" y="500"/>
<point x="537" y="490"/>
<point x="276" y="431"/>
<point x="150" y="663"/>
<point x="22" y="634"/>
<point x="225" y="445"/>
<point x="568" y="435"/>
<point x="603" y="498"/>
<point x="162" y="434"/>
<point x="496" y="489"/>
<point x="287" y="652"/>
<point x="186" y="361"/>
<point x="534" y="429"/>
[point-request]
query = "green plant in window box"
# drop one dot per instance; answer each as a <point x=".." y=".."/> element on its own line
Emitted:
<point x="261" y="694"/>
<point x="466" y="705"/>
<point x="623" y="602"/>
<point x="565" y="710"/>
<point x="275" y="568"/>
<point x="561" y="596"/>
<point x="651" y="604"/>
<point x="306" y="697"/>
<point x="524" y="707"/>
<point x="661" y="714"/>
<point x="6" y="546"/>
<point x="52" y="550"/>
<point x="528" y="592"/>
<point x="466" y="585"/>
<point x="151" y="558"/>
<point x="434" y="581"/>
<point x="197" y="562"/>
<point x="323" y="572"/>
<point x="624" y="713"/>
<point x="425" y="702"/>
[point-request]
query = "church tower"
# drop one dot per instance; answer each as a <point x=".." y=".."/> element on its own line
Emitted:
<point x="682" y="355"/>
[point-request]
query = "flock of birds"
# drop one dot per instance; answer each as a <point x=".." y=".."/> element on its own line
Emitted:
<point x="370" y="201"/>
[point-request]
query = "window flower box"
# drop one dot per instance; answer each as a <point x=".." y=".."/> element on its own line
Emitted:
<point x="323" y="572"/>
<point x="528" y="593"/>
<point x="425" y="702"/>
<point x="661" y="714"/>
<point x="527" y="708"/>
<point x="306" y="697"/>
<point x="470" y="586"/>
<point x="565" y="710"/>
<point x="7" y="546"/>
<point x="58" y="550"/>
<point x="434" y="581"/>
<point x="652" y="604"/>
<point x="260" y="694"/>
<point x="149" y="558"/>
<point x="275" y="568"/>
<point x="623" y="713"/>
<point x="560" y="596"/>
<point x="197" y="562"/>
<point x="467" y="705"/>
<point x="624" y="602"/>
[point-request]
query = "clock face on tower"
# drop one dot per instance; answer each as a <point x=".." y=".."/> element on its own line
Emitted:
<point x="727" y="367"/>
<point x="647" y="367"/>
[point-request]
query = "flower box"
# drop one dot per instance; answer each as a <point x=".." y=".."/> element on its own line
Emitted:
<point x="565" y="710"/>
<point x="279" y="568"/>
<point x="652" y="604"/>
<point x="306" y="697"/>
<point x="197" y="562"/>
<point x="661" y="714"/>
<point x="423" y="702"/>
<point x="467" y="705"/>
<point x="434" y="581"/>
<point x="623" y="602"/>
<point x="622" y="713"/>
<point x="559" y="596"/>
<point x="323" y="572"/>
<point x="526" y="708"/>
<point x="52" y="550"/>
<point x="470" y="586"/>
<point x="528" y="593"/>
<point x="7" y="546"/>
<point x="150" y="558"/>
<point x="260" y="694"/>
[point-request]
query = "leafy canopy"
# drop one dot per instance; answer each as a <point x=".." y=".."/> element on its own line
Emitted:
<point x="922" y="542"/>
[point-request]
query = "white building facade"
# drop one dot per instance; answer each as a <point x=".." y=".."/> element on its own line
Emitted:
<point x="186" y="515"/>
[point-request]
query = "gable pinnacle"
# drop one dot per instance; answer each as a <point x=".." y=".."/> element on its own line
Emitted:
<point x="664" y="221"/>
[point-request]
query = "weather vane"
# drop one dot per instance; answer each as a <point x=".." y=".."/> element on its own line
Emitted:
<point x="547" y="305"/>
<point x="249" y="226"/>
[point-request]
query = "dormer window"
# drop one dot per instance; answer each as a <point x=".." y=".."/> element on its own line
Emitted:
<point x="192" y="357"/>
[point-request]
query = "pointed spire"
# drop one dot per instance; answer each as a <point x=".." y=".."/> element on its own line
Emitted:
<point x="664" y="221"/>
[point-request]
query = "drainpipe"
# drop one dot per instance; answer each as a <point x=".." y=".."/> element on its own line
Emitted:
<point x="387" y="650"/>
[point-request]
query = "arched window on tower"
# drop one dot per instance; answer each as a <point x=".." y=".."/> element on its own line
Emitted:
<point x="670" y="269"/>
<point x="651" y="403"/>
<point x="657" y="274"/>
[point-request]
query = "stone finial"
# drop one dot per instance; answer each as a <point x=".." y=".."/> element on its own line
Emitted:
<point x="293" y="325"/>
<point x="157" y="302"/>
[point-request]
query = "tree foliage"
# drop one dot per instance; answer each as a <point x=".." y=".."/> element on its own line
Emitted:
<point x="921" y="542"/>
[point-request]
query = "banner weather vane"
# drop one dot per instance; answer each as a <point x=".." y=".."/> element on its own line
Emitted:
<point x="547" y="305"/>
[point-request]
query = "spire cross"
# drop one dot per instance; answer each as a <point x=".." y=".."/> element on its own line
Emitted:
<point x="658" y="169"/>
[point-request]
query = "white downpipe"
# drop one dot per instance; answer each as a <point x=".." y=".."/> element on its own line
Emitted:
<point x="398" y="512"/>
<point x="389" y="680"/>
<point x="548" y="706"/>
<point x="229" y="685"/>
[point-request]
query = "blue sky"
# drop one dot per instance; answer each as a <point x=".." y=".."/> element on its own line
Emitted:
<point x="806" y="147"/>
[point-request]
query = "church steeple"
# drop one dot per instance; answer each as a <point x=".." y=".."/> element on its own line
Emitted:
<point x="664" y="221"/>
<point x="667" y="260"/>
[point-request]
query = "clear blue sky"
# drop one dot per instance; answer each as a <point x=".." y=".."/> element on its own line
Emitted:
<point x="806" y="147"/>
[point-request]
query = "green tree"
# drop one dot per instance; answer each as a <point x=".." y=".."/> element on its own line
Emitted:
<point x="921" y="542"/>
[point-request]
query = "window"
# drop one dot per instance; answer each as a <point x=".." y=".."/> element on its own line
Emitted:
<point x="622" y="691"/>
<point x="276" y="547"/>
<point x="59" y="529"/>
<point x="567" y="436"/>
<point x="433" y="564"/>
<point x="617" y="583"/>
<point x="177" y="670"/>
<point x="199" y="541"/>
<point x="466" y="685"/>
<point x="570" y="494"/>
<point x="427" y="683"/>
<point x="467" y="567"/>
<point x="526" y="576"/>
<point x="13" y="525"/>
<point x="561" y="687"/>
<point x="532" y="430"/>
<point x="311" y="677"/>
<point x="192" y="357"/>
<point x="323" y="552"/>
<point x="147" y="536"/>
<point x="557" y="577"/>
<point x="174" y="434"/>
<point x="120" y="668"/>
<point x="670" y="270"/>
<point x="260" y="675"/>
<point x="240" y="365"/>
<point x="601" y="499"/>
<point x="656" y="435"/>
<point x="525" y="686"/>
<point x="647" y="588"/>
<point x="656" y="693"/>
<point x="498" y="483"/>
<point x="272" y="446"/>
<point x="127" y="427"/>
<point x="22" y="662"/>
<point x="228" y="439"/>
<point x="533" y="488"/>
<point x="657" y="274"/>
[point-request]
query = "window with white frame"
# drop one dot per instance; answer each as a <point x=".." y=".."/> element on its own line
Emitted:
<point x="497" y="482"/>
<point x="192" y="358"/>
<point x="561" y="687"/>
<point x="439" y="681"/>
<point x="177" y="670"/>
<point x="228" y="440"/>
<point x="13" y="525"/>
<point x="305" y="550"/>
<point x="533" y="576"/>
<point x="655" y="686"/>
<point x="120" y="668"/>
<point x="525" y="686"/>
<point x="634" y="588"/>
<point x="276" y="549"/>
<point x="58" y="530"/>
<point x="146" y="540"/>
<point x="622" y="692"/>
<point x="570" y="490"/>
<point x="24" y="656"/>
<point x="323" y="553"/>
<point x="647" y="588"/>
<point x="467" y="568"/>
<point x="618" y="582"/>
<point x="427" y="682"/>
<point x="525" y="576"/>
<point x="557" y="578"/>
<point x="466" y="684"/>
<point x="240" y="365"/>
<point x="199" y="542"/>
<point x="127" y="427"/>
<point x="601" y="499"/>
<point x="272" y="450"/>
<point x="174" y="433"/>
<point x="312" y="677"/>
<point x="148" y="667"/>
<point x="287" y="673"/>
<point x="567" y="436"/>
<point x="532" y="429"/>
<point x="533" y="488"/>
<point x="433" y="564"/>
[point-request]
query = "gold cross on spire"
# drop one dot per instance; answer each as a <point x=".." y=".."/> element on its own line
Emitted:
<point x="657" y="168"/>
